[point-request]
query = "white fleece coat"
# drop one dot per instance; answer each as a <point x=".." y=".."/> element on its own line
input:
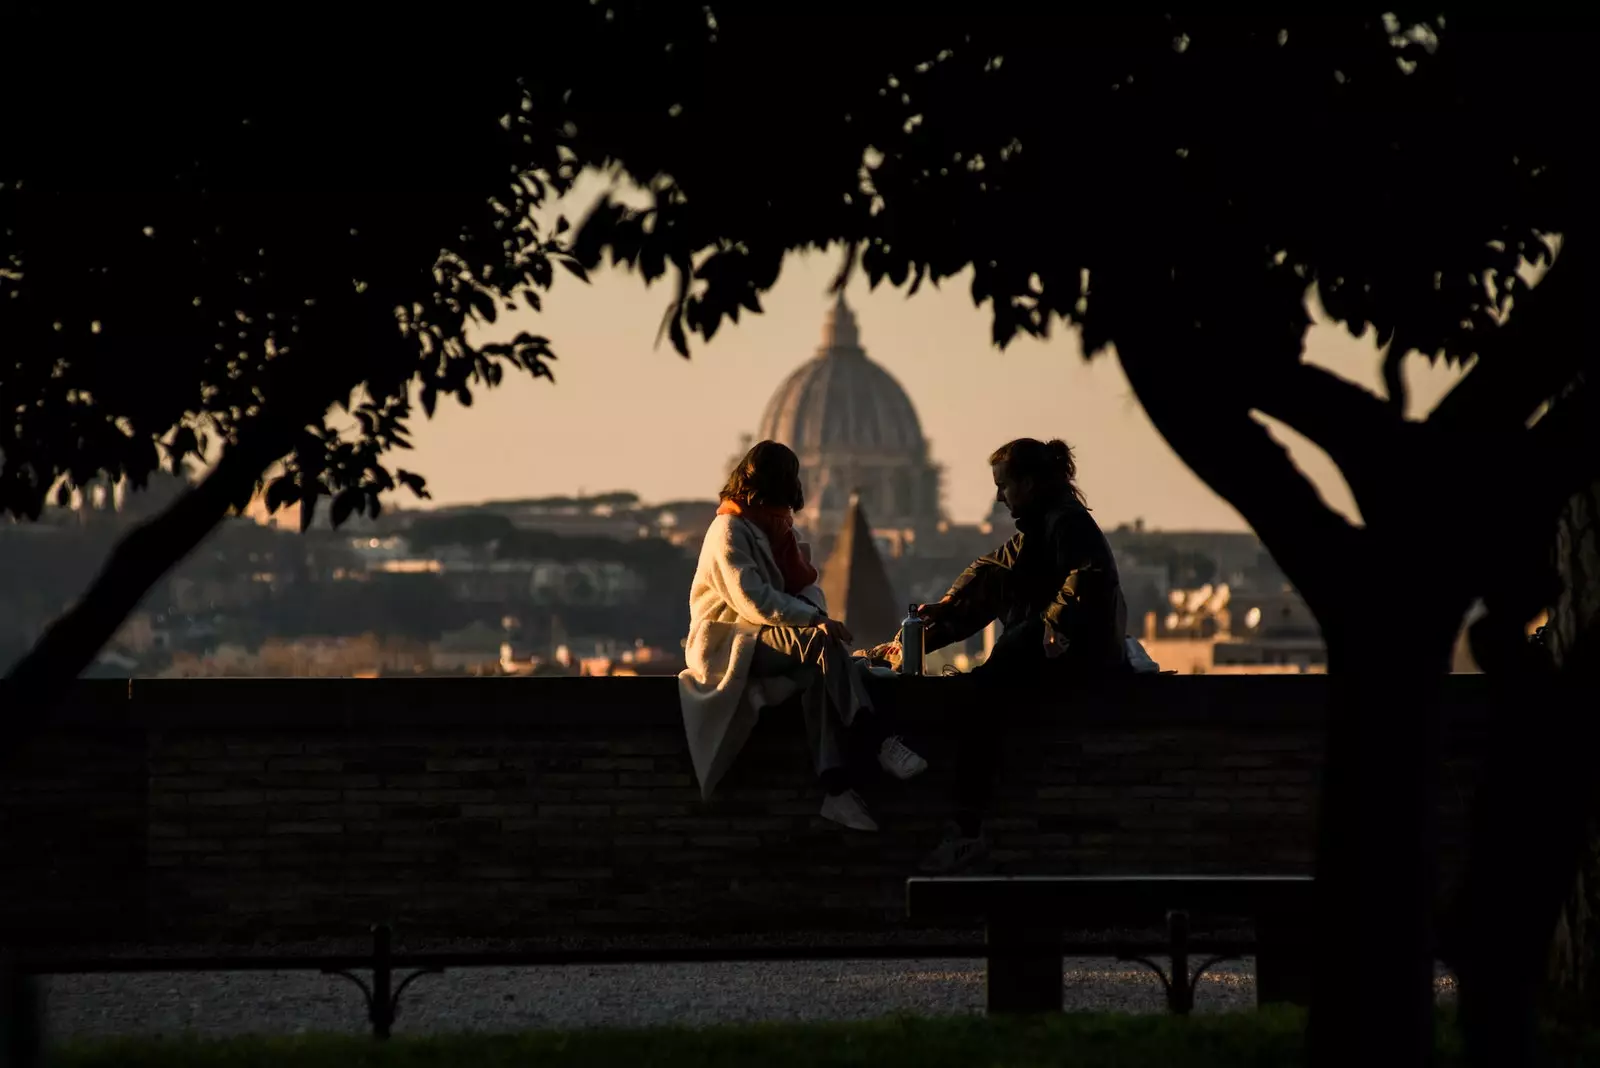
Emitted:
<point x="737" y="590"/>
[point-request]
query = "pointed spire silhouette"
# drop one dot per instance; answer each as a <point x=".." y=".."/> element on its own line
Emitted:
<point x="856" y="583"/>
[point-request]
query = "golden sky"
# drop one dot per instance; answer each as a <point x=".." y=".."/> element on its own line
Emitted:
<point x="624" y="414"/>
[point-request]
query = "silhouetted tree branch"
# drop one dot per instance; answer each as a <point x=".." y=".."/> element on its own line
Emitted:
<point x="1213" y="231"/>
<point x="1055" y="167"/>
<point x="1506" y="387"/>
<point x="263" y="252"/>
<point x="1237" y="457"/>
<point x="1358" y="431"/>
<point x="1566" y="439"/>
<point x="139" y="560"/>
<point x="1394" y="379"/>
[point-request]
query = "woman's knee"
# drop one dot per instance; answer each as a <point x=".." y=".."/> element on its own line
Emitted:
<point x="818" y="647"/>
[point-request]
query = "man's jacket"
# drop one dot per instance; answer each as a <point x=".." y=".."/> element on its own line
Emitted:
<point x="1059" y="568"/>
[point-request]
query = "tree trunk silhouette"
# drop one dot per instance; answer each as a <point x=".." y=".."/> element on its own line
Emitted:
<point x="1574" y="981"/>
<point x="1376" y="855"/>
<point x="1573" y="637"/>
<point x="1373" y="983"/>
<point x="1525" y="923"/>
<point x="43" y="676"/>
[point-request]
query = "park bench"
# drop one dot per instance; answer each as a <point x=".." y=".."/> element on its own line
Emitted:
<point x="1024" y="919"/>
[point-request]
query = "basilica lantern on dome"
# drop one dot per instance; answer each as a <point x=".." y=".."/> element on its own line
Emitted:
<point x="856" y="432"/>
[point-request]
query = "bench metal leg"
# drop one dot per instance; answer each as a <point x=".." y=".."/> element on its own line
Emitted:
<point x="1180" y="990"/>
<point x="1177" y="981"/>
<point x="1024" y="968"/>
<point x="382" y="997"/>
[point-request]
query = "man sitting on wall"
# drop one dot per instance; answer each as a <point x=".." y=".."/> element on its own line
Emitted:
<point x="1054" y="588"/>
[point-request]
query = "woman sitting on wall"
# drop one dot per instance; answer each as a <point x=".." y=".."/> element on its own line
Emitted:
<point x="759" y="633"/>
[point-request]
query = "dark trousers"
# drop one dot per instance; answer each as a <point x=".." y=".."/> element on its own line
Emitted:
<point x="1016" y="667"/>
<point x="861" y="744"/>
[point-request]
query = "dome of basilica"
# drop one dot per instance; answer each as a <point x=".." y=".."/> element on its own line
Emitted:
<point x="841" y="400"/>
<point x="855" y="431"/>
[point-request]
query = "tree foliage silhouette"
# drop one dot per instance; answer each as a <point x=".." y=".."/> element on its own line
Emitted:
<point x="227" y="253"/>
<point x="1173" y="187"/>
<point x="206" y="256"/>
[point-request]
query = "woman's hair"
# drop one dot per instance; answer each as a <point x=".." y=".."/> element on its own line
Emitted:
<point x="1049" y="463"/>
<point x="768" y="476"/>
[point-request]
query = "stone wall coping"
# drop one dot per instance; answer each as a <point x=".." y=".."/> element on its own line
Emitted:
<point x="341" y="704"/>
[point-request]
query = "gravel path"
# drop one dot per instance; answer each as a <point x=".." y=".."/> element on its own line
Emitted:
<point x="513" y="999"/>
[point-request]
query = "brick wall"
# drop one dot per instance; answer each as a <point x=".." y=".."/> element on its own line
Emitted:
<point x="232" y="810"/>
<point x="72" y="825"/>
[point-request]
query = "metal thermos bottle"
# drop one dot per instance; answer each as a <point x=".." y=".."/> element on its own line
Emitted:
<point x="911" y="632"/>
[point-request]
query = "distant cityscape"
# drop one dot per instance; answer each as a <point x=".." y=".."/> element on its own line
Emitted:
<point x="598" y="585"/>
<point x="594" y="585"/>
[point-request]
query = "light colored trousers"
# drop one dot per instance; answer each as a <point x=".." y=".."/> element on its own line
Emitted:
<point x="832" y="692"/>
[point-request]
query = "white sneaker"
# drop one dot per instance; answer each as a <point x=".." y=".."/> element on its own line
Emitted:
<point x="848" y="810"/>
<point x="898" y="760"/>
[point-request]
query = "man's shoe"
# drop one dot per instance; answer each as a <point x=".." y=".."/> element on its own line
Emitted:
<point x="848" y="810"/>
<point x="957" y="852"/>
<point x="898" y="760"/>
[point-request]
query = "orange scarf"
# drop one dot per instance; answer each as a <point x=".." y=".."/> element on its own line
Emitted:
<point x="778" y="525"/>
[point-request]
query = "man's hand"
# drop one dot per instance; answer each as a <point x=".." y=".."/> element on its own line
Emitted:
<point x="1055" y="643"/>
<point x="837" y="631"/>
<point x="935" y="612"/>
